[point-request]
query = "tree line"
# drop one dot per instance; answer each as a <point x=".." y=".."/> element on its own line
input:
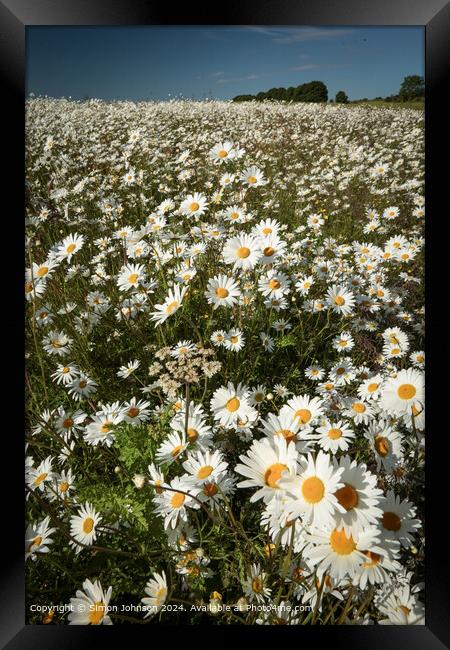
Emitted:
<point x="412" y="88"/>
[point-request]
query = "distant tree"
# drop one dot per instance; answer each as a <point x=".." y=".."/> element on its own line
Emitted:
<point x="412" y="87"/>
<point x="341" y="97"/>
<point x="314" y="91"/>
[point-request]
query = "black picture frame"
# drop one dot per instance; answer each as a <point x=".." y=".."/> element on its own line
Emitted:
<point x="434" y="16"/>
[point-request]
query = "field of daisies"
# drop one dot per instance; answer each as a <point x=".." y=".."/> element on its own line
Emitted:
<point x="224" y="364"/>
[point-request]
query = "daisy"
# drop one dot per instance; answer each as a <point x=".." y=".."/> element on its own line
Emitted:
<point x="243" y="252"/>
<point x="69" y="246"/>
<point x="314" y="372"/>
<point x="234" y="340"/>
<point x="386" y="445"/>
<point x="342" y="373"/>
<point x="274" y="284"/>
<point x="285" y="425"/>
<point x="170" y="305"/>
<point x="205" y="467"/>
<point x="343" y="342"/>
<point x="194" y="205"/>
<point x="82" y="387"/>
<point x="334" y="436"/>
<point x="91" y="606"/>
<point x="65" y="374"/>
<point x="370" y="389"/>
<point x="272" y="248"/>
<point x="340" y="299"/>
<point x="265" y="228"/>
<point x="359" y="497"/>
<point x="218" y="338"/>
<point x="304" y="284"/>
<point x="405" y="391"/>
<point x="222" y="291"/>
<point x="64" y="484"/>
<point x="267" y="341"/>
<point x="398" y="521"/>
<point x="100" y="430"/>
<point x="400" y="604"/>
<point x="359" y="412"/>
<point x="222" y="152"/>
<point x="255" y="585"/>
<point x="257" y="395"/>
<point x="57" y="343"/>
<point x="171" y="448"/>
<point x="418" y="359"/>
<point x="305" y="408"/>
<point x="253" y="177"/>
<point x="341" y="555"/>
<point x="313" y="491"/>
<point x="130" y="276"/>
<point x="38" y="538"/>
<point x="67" y="422"/>
<point x="39" y="476"/>
<point x="83" y="526"/>
<point x="172" y="504"/>
<point x="126" y="371"/>
<point x="156" y="590"/>
<point x="264" y="466"/>
<point x="230" y="404"/>
<point x="135" y="412"/>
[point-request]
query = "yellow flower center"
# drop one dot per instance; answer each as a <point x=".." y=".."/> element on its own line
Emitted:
<point x="313" y="489"/>
<point x="274" y="284"/>
<point x="194" y="207"/>
<point x="192" y="434"/>
<point x="221" y="292"/>
<point x="406" y="391"/>
<point x="42" y="271"/>
<point x="176" y="450"/>
<point x="64" y="486"/>
<point x="222" y="153"/>
<point x="205" y="471"/>
<point x="40" y="478"/>
<point x="232" y="405"/>
<point x="374" y="558"/>
<point x="88" y="525"/>
<point x="391" y="521"/>
<point x="133" y="278"/>
<point x="251" y="179"/>
<point x="304" y="415"/>
<point x="267" y="231"/>
<point x="288" y="435"/>
<point x="243" y="252"/>
<point x="339" y="300"/>
<point x="340" y="543"/>
<point x="133" y="411"/>
<point x="358" y="407"/>
<point x="106" y="427"/>
<point x="234" y="339"/>
<point x="177" y="500"/>
<point x="36" y="542"/>
<point x="171" y="308"/>
<point x="273" y="474"/>
<point x="97" y="612"/>
<point x="372" y="387"/>
<point x="382" y="446"/>
<point x="334" y="434"/>
<point x="257" y="585"/>
<point x="210" y="489"/>
<point x="347" y="497"/>
<point x="65" y="370"/>
<point x="269" y="251"/>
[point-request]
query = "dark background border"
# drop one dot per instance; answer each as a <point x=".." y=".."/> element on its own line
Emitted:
<point x="15" y="15"/>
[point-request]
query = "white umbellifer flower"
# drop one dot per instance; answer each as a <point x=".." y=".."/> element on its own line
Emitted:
<point x="222" y="291"/>
<point x="91" y="606"/>
<point x="156" y="589"/>
<point x="312" y="491"/>
<point x="404" y="393"/>
<point x="265" y="464"/>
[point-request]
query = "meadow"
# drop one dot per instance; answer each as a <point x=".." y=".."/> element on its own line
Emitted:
<point x="224" y="363"/>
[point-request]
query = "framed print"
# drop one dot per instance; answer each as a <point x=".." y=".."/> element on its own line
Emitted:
<point x="227" y="271"/>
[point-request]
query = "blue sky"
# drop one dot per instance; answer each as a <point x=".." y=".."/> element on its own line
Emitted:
<point x="136" y="63"/>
